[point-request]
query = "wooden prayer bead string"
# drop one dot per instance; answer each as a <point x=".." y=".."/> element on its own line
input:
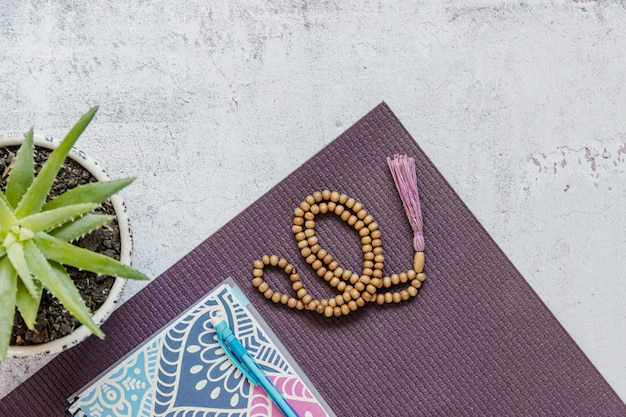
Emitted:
<point x="355" y="289"/>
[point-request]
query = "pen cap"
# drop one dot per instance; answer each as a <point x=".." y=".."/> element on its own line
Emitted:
<point x="233" y="349"/>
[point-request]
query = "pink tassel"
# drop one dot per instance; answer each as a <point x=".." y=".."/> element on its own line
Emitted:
<point x="403" y="171"/>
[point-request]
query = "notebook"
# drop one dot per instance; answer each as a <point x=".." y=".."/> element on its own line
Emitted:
<point x="477" y="340"/>
<point x="182" y="370"/>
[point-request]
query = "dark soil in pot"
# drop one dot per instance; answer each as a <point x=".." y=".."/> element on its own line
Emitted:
<point x="53" y="320"/>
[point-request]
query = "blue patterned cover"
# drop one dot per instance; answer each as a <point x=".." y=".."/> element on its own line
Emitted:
<point x="182" y="371"/>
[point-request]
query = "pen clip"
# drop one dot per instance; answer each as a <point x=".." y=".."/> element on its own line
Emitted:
<point x="220" y="330"/>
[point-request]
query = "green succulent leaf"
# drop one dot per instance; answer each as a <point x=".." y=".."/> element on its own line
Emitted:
<point x="27" y="305"/>
<point x="60" y="284"/>
<point x="48" y="220"/>
<point x="15" y="254"/>
<point x="23" y="171"/>
<point x="80" y="227"/>
<point x="8" y="285"/>
<point x="68" y="254"/>
<point x="35" y="196"/>
<point x="93" y="192"/>
<point x="7" y="218"/>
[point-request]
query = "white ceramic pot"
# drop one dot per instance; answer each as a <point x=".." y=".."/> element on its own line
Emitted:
<point x="81" y="332"/>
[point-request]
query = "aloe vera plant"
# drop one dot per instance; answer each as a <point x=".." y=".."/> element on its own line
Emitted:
<point x="36" y="236"/>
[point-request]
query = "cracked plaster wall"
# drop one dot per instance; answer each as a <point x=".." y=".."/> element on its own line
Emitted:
<point x="519" y="104"/>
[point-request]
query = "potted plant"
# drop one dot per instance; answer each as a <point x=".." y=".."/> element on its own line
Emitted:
<point x="37" y="236"/>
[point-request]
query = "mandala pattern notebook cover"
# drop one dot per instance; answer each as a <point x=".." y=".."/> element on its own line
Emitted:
<point x="182" y="370"/>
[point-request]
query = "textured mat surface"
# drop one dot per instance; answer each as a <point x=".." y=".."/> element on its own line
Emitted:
<point x="477" y="340"/>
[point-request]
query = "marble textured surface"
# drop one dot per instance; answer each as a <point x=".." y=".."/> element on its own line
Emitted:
<point x="519" y="104"/>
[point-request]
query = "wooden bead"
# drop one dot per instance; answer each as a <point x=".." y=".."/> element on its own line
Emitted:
<point x="352" y="305"/>
<point x="258" y="264"/>
<point x="276" y="297"/>
<point x="343" y="198"/>
<point x="323" y="208"/>
<point x="345" y="216"/>
<point x="368" y="264"/>
<point x="412" y="291"/>
<point x="307" y="299"/>
<point x="298" y="221"/>
<point x="257" y="281"/>
<point x="352" y="220"/>
<point x="328" y="311"/>
<point x="380" y="299"/>
<point x="368" y="219"/>
<point x="337" y="312"/>
<point x="309" y="216"/>
<point x="282" y="263"/>
<point x="357" y="207"/>
<point x="315" y="209"/>
<point x="306" y="251"/>
<point x="403" y="277"/>
<point x="317" y="264"/>
<point x="334" y="196"/>
<point x="404" y="295"/>
<point x="339" y="300"/>
<point x="310" y="259"/>
<point x="395" y="279"/>
<point x="361" y="214"/>
<point x="298" y="212"/>
<point x="315" y="248"/>
<point x="321" y="272"/>
<point x="388" y="297"/>
<point x="386" y="282"/>
<point x="263" y="287"/>
<point x="332" y="206"/>
<point x="359" y="225"/>
<point x="341" y="286"/>
<point x="421" y="276"/>
<point x="296" y="285"/>
<point x="328" y="276"/>
<point x="360" y="302"/>
<point x="257" y="272"/>
<point x="284" y="298"/>
<point x="339" y="209"/>
<point x="345" y="309"/>
<point x="310" y="225"/>
<point x="305" y="206"/>
<point x="274" y="260"/>
<point x="265" y="259"/>
<point x="299" y="305"/>
<point x="294" y="276"/>
<point x="303" y="244"/>
<point x="317" y="196"/>
<point x="338" y="271"/>
<point x="310" y="199"/>
<point x="320" y="308"/>
<point x="376" y="234"/>
<point x="334" y="282"/>
<point x="269" y="293"/>
<point x="418" y="262"/>
<point x="333" y="265"/>
<point x="396" y="297"/>
<point x="350" y="202"/>
<point x="364" y="232"/>
<point x="416" y="283"/>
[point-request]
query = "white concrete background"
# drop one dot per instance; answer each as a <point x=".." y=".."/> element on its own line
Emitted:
<point x="520" y="104"/>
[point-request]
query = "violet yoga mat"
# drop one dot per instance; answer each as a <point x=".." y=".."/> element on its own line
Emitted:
<point x="477" y="340"/>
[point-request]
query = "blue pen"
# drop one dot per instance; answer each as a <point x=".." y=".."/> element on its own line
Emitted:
<point x="238" y="354"/>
